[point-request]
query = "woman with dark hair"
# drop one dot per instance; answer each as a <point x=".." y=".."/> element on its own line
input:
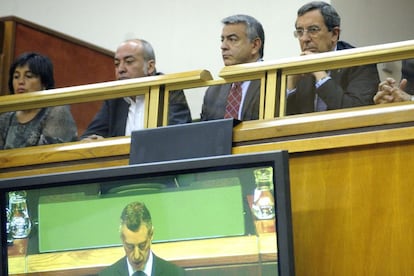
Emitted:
<point x="32" y="72"/>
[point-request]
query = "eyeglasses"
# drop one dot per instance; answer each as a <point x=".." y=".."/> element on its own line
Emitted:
<point x="311" y="30"/>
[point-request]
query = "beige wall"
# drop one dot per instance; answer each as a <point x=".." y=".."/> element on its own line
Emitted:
<point x="369" y="22"/>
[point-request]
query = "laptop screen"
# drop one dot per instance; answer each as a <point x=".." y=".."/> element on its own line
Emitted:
<point x="210" y="215"/>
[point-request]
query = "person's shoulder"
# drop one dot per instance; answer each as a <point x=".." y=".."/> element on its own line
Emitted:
<point x="255" y="85"/>
<point x="5" y="119"/>
<point x="61" y="114"/>
<point x="115" y="269"/>
<point x="217" y="88"/>
<point x="162" y="265"/>
<point x="59" y="109"/>
<point x="342" y="45"/>
<point x="6" y="115"/>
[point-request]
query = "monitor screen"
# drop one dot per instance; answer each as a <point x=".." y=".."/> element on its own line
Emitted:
<point x="214" y="215"/>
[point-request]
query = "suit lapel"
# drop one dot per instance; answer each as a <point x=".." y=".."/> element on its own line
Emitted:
<point x="122" y="267"/>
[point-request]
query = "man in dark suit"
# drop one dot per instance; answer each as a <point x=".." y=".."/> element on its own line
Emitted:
<point x="136" y="235"/>
<point x="317" y="29"/>
<point x="134" y="58"/>
<point x="242" y="41"/>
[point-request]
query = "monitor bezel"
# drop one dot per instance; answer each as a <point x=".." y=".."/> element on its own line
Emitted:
<point x="277" y="159"/>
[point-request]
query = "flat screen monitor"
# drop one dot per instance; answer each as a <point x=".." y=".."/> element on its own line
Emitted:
<point x="222" y="215"/>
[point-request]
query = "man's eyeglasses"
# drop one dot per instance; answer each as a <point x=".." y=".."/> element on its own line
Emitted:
<point x="312" y="31"/>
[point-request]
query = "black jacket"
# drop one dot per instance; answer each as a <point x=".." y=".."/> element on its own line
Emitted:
<point x="349" y="87"/>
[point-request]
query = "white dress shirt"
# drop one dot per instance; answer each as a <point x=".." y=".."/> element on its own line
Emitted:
<point x="148" y="266"/>
<point x="135" y="119"/>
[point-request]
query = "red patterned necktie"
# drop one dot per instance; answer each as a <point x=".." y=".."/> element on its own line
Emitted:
<point x="233" y="101"/>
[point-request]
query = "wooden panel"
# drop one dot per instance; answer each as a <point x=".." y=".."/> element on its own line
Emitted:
<point x="74" y="64"/>
<point x="65" y="152"/>
<point x="352" y="210"/>
<point x="6" y="47"/>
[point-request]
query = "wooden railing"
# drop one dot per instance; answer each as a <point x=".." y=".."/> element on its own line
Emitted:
<point x="351" y="185"/>
<point x="148" y="86"/>
<point x="275" y="72"/>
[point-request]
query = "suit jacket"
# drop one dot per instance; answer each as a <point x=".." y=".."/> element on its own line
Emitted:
<point x="111" y="119"/>
<point x="349" y="87"/>
<point x="215" y="100"/>
<point x="160" y="268"/>
<point x="407" y="72"/>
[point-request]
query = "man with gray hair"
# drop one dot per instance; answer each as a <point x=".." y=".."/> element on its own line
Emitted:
<point x="242" y="41"/>
<point x="134" y="58"/>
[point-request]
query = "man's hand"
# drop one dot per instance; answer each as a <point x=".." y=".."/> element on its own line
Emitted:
<point x="292" y="79"/>
<point x="389" y="92"/>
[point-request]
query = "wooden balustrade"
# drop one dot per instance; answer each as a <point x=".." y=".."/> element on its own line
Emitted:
<point x="148" y="86"/>
<point x="275" y="72"/>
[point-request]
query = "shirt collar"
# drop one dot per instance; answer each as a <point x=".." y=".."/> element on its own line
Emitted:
<point x="148" y="266"/>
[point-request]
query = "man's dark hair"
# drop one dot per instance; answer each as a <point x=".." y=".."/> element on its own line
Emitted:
<point x="329" y="14"/>
<point x="254" y="28"/>
<point x="134" y="215"/>
<point x="39" y="65"/>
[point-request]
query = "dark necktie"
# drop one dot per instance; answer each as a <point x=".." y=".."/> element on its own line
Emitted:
<point x="139" y="273"/>
<point x="233" y="101"/>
